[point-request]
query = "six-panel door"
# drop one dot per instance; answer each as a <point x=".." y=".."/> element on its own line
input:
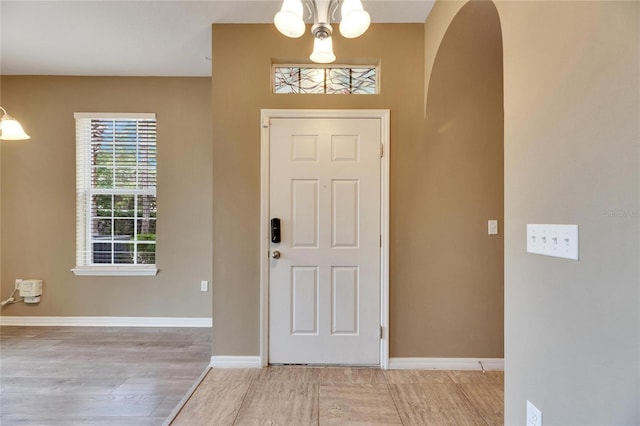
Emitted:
<point x="324" y="289"/>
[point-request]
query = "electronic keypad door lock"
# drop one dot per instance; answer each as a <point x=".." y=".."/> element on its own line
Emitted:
<point x="275" y="230"/>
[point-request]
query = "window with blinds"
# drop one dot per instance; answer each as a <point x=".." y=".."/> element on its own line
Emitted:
<point x="116" y="170"/>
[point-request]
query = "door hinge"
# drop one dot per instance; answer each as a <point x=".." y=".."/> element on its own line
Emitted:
<point x="380" y="240"/>
<point x="381" y="332"/>
<point x="381" y="150"/>
<point x="266" y="121"/>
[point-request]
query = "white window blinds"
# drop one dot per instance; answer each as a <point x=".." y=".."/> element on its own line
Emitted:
<point x="116" y="170"/>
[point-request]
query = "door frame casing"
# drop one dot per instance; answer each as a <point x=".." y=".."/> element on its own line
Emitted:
<point x="265" y="163"/>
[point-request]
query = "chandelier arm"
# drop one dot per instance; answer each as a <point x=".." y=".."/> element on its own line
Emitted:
<point x="332" y="8"/>
<point x="313" y="10"/>
<point x="332" y="12"/>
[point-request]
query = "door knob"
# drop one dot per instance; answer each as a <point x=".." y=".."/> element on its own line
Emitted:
<point x="275" y="254"/>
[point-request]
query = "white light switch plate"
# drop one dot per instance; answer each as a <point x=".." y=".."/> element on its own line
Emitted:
<point x="553" y="240"/>
<point x="492" y="227"/>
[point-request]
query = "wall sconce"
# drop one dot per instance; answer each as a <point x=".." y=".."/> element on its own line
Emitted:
<point x="11" y="129"/>
<point x="353" y="23"/>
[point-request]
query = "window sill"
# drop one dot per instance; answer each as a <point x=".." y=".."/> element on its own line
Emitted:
<point x="116" y="271"/>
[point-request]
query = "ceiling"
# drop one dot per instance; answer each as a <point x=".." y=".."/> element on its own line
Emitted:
<point x="138" y="37"/>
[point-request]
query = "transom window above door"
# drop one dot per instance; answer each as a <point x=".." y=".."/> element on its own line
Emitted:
<point x="334" y="80"/>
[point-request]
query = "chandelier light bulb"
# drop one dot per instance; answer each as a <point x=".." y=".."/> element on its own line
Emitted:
<point x="355" y="20"/>
<point x="322" y="51"/>
<point x="289" y="20"/>
<point x="11" y="128"/>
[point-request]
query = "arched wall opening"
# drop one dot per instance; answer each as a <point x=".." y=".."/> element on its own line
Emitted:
<point x="458" y="186"/>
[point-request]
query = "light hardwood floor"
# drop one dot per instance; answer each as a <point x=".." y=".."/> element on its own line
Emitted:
<point x="70" y="376"/>
<point x="58" y="376"/>
<point x="344" y="396"/>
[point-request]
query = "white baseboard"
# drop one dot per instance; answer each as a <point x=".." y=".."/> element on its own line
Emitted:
<point x="105" y="321"/>
<point x="235" y="362"/>
<point x="446" y="363"/>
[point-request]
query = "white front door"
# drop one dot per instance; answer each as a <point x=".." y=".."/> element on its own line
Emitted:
<point x="324" y="288"/>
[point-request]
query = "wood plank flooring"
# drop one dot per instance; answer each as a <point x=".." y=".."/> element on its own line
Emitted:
<point x="97" y="375"/>
<point x="345" y="396"/>
<point x="71" y="376"/>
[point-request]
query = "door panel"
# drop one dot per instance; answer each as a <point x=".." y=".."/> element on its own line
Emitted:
<point x="345" y="209"/>
<point x="324" y="289"/>
<point x="304" y="213"/>
<point x="344" y="300"/>
<point x="304" y="291"/>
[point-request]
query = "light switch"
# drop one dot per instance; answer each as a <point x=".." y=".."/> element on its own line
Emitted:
<point x="493" y="227"/>
<point x="553" y="240"/>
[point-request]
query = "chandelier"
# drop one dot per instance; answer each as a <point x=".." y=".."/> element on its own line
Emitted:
<point x="354" y="21"/>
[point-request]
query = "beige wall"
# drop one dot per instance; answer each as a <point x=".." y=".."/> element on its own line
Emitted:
<point x="453" y="303"/>
<point x="462" y="314"/>
<point x="435" y="27"/>
<point x="38" y="196"/>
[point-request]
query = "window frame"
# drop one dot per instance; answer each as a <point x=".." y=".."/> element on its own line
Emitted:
<point x="84" y="191"/>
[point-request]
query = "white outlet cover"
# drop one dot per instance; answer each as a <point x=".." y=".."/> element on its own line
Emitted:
<point x="534" y="416"/>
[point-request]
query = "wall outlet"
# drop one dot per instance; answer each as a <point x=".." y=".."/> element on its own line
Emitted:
<point x="204" y="285"/>
<point x="534" y="416"/>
